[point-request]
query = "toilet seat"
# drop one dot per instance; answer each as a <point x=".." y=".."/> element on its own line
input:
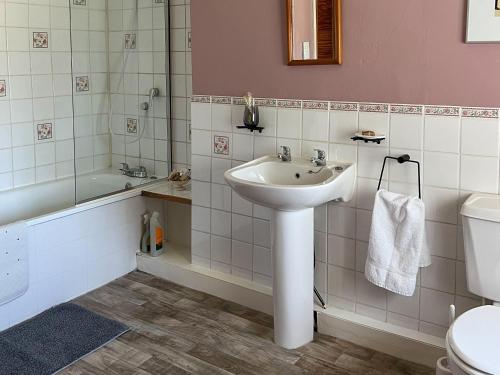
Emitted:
<point x="474" y="338"/>
<point x="457" y="366"/>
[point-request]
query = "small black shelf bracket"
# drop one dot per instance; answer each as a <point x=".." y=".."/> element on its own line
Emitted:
<point x="251" y="128"/>
<point x="366" y="140"/>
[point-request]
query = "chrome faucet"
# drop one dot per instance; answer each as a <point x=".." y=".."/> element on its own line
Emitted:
<point x="285" y="154"/>
<point x="138" y="172"/>
<point x="319" y="158"/>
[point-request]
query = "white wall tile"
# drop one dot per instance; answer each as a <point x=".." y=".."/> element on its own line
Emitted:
<point x="437" y="162"/>
<point x="440" y="275"/>
<point x="435" y="306"/>
<point x="262" y="260"/>
<point x="221" y="249"/>
<point x="341" y="220"/>
<point x="221" y="197"/>
<point x="289" y="123"/>
<point x="221" y="223"/>
<point x="441" y="204"/>
<point x="442" y="133"/>
<point x="341" y="251"/>
<point x="221" y="117"/>
<point x="480" y="136"/>
<point x="343" y="125"/>
<point x="342" y="282"/>
<point x="408" y="306"/>
<point x="242" y="228"/>
<point x="370" y="294"/>
<point x="315" y="125"/>
<point x="242" y="255"/>
<point x="441" y="239"/>
<point x="479" y="173"/>
<point x="406" y="131"/>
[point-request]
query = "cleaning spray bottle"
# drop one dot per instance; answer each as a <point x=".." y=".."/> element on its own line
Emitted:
<point x="156" y="235"/>
<point x="145" y="234"/>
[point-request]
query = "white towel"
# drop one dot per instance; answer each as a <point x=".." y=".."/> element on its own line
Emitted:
<point x="396" y="248"/>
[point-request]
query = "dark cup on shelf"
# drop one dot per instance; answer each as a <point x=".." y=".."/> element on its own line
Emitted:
<point x="251" y="116"/>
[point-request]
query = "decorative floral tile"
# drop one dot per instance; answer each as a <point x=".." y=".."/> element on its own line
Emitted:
<point x="40" y="39"/>
<point x="3" y="88"/>
<point x="82" y="83"/>
<point x="130" y="41"/>
<point x="286" y="103"/>
<point x="221" y="145"/>
<point x="132" y="125"/>
<point x="44" y="131"/>
<point x="480" y="112"/>
<point x="406" y="109"/>
<point x="200" y="99"/>
<point x="344" y="106"/>
<point x="221" y="99"/>
<point x="313" y="104"/>
<point x="79" y="2"/>
<point x="442" y="111"/>
<point x="374" y="107"/>
<point x="190" y="39"/>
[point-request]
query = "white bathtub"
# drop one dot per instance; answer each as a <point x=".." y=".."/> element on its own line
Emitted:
<point x="41" y="199"/>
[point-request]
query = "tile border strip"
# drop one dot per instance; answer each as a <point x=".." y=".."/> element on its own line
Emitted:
<point x="374" y="107"/>
<point x="433" y="110"/>
<point x="289" y="103"/>
<point x="221" y="99"/>
<point x="200" y="99"/>
<point x="315" y="104"/>
<point x="479" y="112"/>
<point x="406" y="109"/>
<point x="238" y="100"/>
<point x="266" y="102"/>
<point x="344" y="106"/>
<point x="415" y="109"/>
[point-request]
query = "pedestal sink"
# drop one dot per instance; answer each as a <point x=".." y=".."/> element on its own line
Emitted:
<point x="292" y="189"/>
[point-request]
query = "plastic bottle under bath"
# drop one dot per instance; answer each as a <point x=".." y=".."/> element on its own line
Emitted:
<point x="145" y="234"/>
<point x="156" y="235"/>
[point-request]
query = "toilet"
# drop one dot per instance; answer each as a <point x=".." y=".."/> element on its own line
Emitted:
<point x="473" y="340"/>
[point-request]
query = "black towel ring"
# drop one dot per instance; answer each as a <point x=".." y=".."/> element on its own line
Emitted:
<point x="401" y="160"/>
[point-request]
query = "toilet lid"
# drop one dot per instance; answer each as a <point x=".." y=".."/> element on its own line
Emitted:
<point x="475" y="338"/>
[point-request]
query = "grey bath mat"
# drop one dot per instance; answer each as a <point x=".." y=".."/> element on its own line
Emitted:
<point x="54" y="339"/>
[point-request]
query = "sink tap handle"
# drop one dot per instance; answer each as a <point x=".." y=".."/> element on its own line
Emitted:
<point x="124" y="167"/>
<point x="285" y="154"/>
<point x="319" y="157"/>
<point x="319" y="154"/>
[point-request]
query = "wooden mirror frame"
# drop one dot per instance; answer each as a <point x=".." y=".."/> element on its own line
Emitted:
<point x="336" y="57"/>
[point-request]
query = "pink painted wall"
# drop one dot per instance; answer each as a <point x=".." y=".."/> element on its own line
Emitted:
<point x="403" y="51"/>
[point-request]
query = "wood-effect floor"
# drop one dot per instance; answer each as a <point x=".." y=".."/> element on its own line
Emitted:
<point x="176" y="330"/>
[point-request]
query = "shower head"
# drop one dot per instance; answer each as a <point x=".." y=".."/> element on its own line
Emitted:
<point x="153" y="92"/>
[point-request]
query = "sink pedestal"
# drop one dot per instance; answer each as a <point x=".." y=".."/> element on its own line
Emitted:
<point x="292" y="235"/>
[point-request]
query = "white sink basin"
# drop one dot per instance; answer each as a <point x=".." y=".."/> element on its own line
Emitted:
<point x="294" y="185"/>
<point x="292" y="190"/>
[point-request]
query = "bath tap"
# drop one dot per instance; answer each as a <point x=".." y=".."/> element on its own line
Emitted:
<point x="138" y="172"/>
<point x="319" y="158"/>
<point x="285" y="154"/>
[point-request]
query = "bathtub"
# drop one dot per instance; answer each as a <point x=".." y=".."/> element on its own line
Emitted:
<point x="45" y="198"/>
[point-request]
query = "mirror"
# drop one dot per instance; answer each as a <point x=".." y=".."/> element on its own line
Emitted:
<point x="314" y="32"/>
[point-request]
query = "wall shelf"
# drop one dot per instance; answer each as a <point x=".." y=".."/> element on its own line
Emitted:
<point x="166" y="190"/>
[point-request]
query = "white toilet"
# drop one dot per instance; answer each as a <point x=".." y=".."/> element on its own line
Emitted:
<point x="473" y="340"/>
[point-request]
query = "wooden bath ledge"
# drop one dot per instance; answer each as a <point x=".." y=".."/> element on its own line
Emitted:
<point x="167" y="191"/>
